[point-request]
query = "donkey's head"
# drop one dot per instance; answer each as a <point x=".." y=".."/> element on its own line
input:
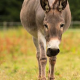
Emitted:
<point x="53" y="24"/>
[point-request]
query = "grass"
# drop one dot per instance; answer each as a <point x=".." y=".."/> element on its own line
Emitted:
<point x="18" y="59"/>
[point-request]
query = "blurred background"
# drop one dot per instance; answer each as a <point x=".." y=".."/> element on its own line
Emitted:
<point x="10" y="12"/>
<point x="18" y="54"/>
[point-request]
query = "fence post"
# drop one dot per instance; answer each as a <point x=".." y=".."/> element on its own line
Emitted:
<point x="4" y="26"/>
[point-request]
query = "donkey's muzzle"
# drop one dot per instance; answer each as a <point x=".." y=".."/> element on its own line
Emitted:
<point x="52" y="52"/>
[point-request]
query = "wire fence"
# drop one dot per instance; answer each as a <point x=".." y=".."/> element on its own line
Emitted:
<point x="10" y="24"/>
<point x="4" y="25"/>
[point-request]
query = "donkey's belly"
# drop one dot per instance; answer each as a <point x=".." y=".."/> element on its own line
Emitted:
<point x="29" y="26"/>
<point x="32" y="30"/>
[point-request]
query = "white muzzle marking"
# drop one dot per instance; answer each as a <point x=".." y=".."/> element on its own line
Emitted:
<point x="53" y="44"/>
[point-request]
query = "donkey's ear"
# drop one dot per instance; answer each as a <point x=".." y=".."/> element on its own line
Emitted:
<point x="45" y="5"/>
<point x="61" y="4"/>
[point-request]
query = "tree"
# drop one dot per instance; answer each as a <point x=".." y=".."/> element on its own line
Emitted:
<point x="10" y="10"/>
<point x="75" y="9"/>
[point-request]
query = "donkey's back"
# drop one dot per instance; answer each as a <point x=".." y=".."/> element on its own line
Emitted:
<point x="32" y="16"/>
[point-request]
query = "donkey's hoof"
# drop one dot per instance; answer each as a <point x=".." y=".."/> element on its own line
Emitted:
<point x="39" y="78"/>
<point x="51" y="78"/>
<point x="43" y="78"/>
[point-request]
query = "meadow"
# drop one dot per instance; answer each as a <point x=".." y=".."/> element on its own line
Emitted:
<point x="18" y="56"/>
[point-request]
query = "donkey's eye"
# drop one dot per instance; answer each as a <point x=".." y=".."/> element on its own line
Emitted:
<point x="62" y="25"/>
<point x="46" y="26"/>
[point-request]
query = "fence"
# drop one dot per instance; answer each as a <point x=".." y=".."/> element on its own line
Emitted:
<point x="16" y="24"/>
<point x="75" y="24"/>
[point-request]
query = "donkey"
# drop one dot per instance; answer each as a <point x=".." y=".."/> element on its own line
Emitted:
<point x="46" y="21"/>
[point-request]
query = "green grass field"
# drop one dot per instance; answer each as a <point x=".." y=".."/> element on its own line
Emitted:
<point x="18" y="59"/>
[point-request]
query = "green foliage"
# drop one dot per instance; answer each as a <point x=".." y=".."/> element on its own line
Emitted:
<point x="75" y="9"/>
<point x="10" y="10"/>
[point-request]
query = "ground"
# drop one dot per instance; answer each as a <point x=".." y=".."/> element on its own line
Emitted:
<point x="18" y="56"/>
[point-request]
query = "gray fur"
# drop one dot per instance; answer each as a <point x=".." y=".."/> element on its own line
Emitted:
<point x="32" y="18"/>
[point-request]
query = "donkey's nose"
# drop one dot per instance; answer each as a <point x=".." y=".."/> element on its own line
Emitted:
<point x="52" y="52"/>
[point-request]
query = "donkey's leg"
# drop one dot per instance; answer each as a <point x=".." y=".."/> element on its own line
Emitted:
<point x="52" y="62"/>
<point x="37" y="55"/>
<point x="43" y="58"/>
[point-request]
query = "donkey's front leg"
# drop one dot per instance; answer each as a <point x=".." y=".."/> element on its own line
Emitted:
<point x="52" y="62"/>
<point x="43" y="58"/>
<point x="37" y="55"/>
